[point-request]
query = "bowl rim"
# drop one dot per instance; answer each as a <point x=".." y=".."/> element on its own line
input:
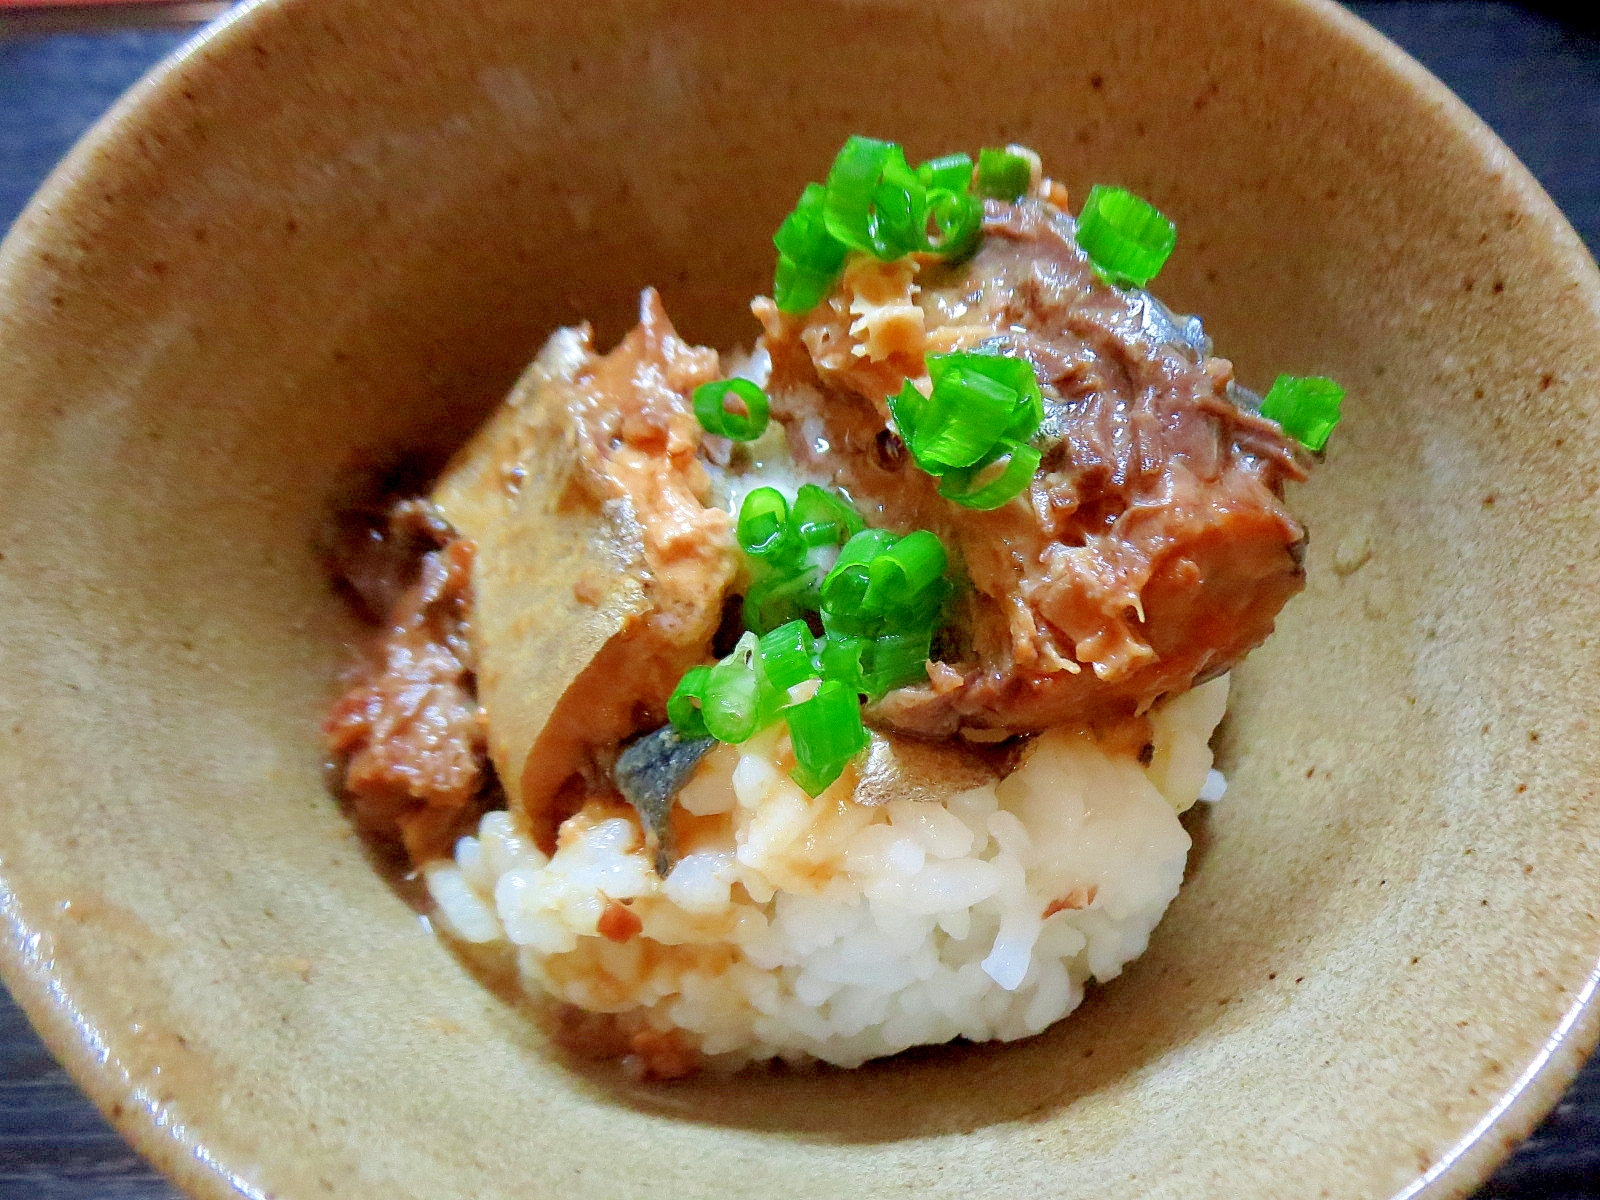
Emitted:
<point x="180" y="1152"/>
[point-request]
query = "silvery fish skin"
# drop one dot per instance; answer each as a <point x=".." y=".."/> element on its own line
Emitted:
<point x="1163" y="325"/>
<point x="650" y="773"/>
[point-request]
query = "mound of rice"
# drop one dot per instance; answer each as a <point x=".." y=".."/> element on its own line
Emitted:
<point x="795" y="928"/>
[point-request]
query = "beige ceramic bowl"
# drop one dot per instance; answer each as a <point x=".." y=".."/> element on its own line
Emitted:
<point x="334" y="227"/>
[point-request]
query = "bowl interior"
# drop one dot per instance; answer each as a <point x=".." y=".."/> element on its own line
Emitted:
<point x="338" y="228"/>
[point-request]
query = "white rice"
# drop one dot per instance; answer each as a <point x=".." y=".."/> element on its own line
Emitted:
<point x="802" y="929"/>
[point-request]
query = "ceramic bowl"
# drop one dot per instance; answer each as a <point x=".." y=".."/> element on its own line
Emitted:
<point x="333" y="228"/>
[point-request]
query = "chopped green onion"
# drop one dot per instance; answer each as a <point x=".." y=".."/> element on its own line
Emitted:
<point x="847" y="197"/>
<point x="949" y="172"/>
<point x="840" y="657"/>
<point x="899" y="574"/>
<point x="781" y="598"/>
<point x="925" y="610"/>
<point x="1126" y="239"/>
<point x="908" y="407"/>
<point x="843" y="591"/>
<point x="786" y="655"/>
<point x="874" y="199"/>
<point x="1012" y="371"/>
<point x="982" y="487"/>
<point x="981" y="408"/>
<point x="683" y="706"/>
<point x="822" y="518"/>
<point x="1307" y="406"/>
<point x="881" y="605"/>
<point x="896" y="660"/>
<point x="710" y="405"/>
<point x="827" y="733"/>
<point x="732" y="701"/>
<point x="803" y="238"/>
<point x="864" y="547"/>
<point x="1003" y="174"/>
<point x="796" y="290"/>
<point x="875" y="203"/>
<point x="966" y="414"/>
<point x="900" y="214"/>
<point x="845" y="588"/>
<point x="809" y="257"/>
<point x="763" y="525"/>
<point x="883" y="585"/>
<point x="957" y="220"/>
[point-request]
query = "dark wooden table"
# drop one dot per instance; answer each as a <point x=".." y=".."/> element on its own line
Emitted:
<point x="1535" y="77"/>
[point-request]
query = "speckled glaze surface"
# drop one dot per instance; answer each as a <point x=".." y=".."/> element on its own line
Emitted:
<point x="335" y="227"/>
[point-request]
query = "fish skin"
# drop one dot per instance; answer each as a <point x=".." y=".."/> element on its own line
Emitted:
<point x="650" y="773"/>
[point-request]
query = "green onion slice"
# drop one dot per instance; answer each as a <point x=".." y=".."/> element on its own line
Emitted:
<point x="803" y="238"/>
<point x="907" y="407"/>
<point x="809" y="257"/>
<point x="949" y="172"/>
<point x="982" y="407"/>
<point x="840" y="657"/>
<point x="885" y="585"/>
<point x="1126" y="239"/>
<point x="1011" y="371"/>
<point x="842" y="594"/>
<point x="823" y="518"/>
<point x="900" y="211"/>
<point x="898" y="575"/>
<point x="1003" y="174"/>
<point x="731" y="705"/>
<point x="985" y="487"/>
<point x="926" y="609"/>
<point x="796" y="290"/>
<point x="787" y="655"/>
<point x="876" y="203"/>
<point x="827" y="733"/>
<point x="763" y="526"/>
<point x="863" y="548"/>
<point x="845" y="588"/>
<point x="896" y="660"/>
<point x="780" y="598"/>
<point x="957" y="222"/>
<point x="874" y="200"/>
<point x="966" y="415"/>
<point x="1307" y="406"/>
<point x="683" y="706"/>
<point x="881" y="606"/>
<point x="710" y="406"/>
